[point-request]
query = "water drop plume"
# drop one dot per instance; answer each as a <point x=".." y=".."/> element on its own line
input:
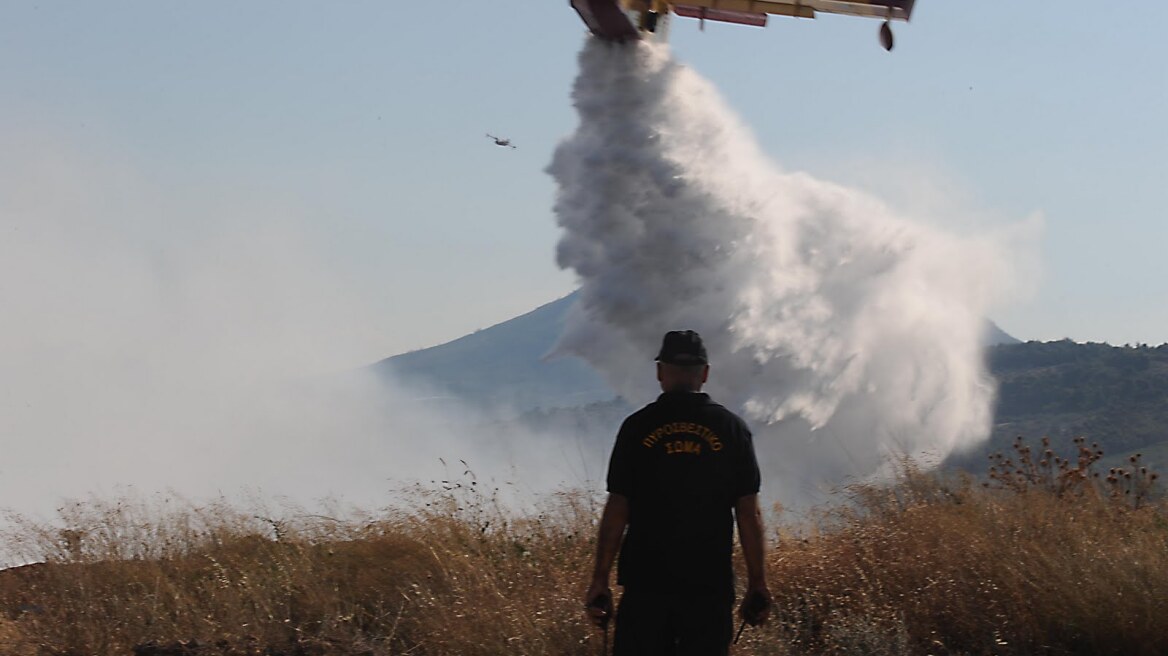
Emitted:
<point x="842" y="331"/>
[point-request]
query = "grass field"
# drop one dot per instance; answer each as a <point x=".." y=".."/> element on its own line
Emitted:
<point x="1039" y="559"/>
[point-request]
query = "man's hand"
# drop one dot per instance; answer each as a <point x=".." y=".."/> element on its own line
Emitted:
<point x="598" y="604"/>
<point x="756" y="605"/>
<point x="614" y="519"/>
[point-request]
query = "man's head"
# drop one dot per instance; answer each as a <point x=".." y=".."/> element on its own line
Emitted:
<point x="682" y="363"/>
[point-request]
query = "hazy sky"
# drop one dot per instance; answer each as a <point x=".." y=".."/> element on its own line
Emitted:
<point x="204" y="204"/>
<point x="355" y="132"/>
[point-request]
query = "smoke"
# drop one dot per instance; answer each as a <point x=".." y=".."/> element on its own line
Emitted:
<point x="158" y="334"/>
<point x="164" y="336"/>
<point x="844" y="333"/>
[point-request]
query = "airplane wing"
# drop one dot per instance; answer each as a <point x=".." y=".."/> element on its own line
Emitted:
<point x="754" y="12"/>
<point x="889" y="9"/>
<point x="621" y="20"/>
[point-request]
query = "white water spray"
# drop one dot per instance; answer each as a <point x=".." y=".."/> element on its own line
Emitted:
<point x="844" y="333"/>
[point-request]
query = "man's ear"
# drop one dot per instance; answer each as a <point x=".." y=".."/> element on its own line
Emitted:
<point x="705" y="373"/>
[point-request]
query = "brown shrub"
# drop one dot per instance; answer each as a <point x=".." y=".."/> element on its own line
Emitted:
<point x="927" y="565"/>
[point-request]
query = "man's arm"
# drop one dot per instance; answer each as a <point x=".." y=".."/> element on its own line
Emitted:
<point x="750" y="534"/>
<point x="613" y="521"/>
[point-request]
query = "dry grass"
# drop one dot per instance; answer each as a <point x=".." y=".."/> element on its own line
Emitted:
<point x="457" y="574"/>
<point x="926" y="566"/>
<point x="960" y="569"/>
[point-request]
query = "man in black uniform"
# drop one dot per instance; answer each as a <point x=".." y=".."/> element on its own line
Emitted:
<point x="683" y="468"/>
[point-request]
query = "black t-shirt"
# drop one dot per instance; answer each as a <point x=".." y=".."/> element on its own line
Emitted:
<point x="682" y="462"/>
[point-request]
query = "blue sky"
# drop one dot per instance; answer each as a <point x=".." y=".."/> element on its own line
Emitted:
<point x="364" y="123"/>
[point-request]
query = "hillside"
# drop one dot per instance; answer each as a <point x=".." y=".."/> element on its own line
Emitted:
<point x="1114" y="395"/>
<point x="505" y="364"/>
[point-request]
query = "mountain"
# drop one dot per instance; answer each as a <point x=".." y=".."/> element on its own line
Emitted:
<point x="505" y="364"/>
<point x="996" y="336"/>
<point x="1116" y="396"/>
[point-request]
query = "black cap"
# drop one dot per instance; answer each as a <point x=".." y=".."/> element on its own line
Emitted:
<point x="682" y="347"/>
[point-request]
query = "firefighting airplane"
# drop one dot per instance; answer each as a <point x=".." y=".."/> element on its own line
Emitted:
<point x="625" y="20"/>
<point x="500" y="141"/>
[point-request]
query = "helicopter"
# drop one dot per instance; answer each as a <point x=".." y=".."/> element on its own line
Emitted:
<point x="499" y="141"/>
<point x="628" y="20"/>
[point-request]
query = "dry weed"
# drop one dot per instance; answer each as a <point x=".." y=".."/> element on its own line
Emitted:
<point x="1045" y="559"/>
